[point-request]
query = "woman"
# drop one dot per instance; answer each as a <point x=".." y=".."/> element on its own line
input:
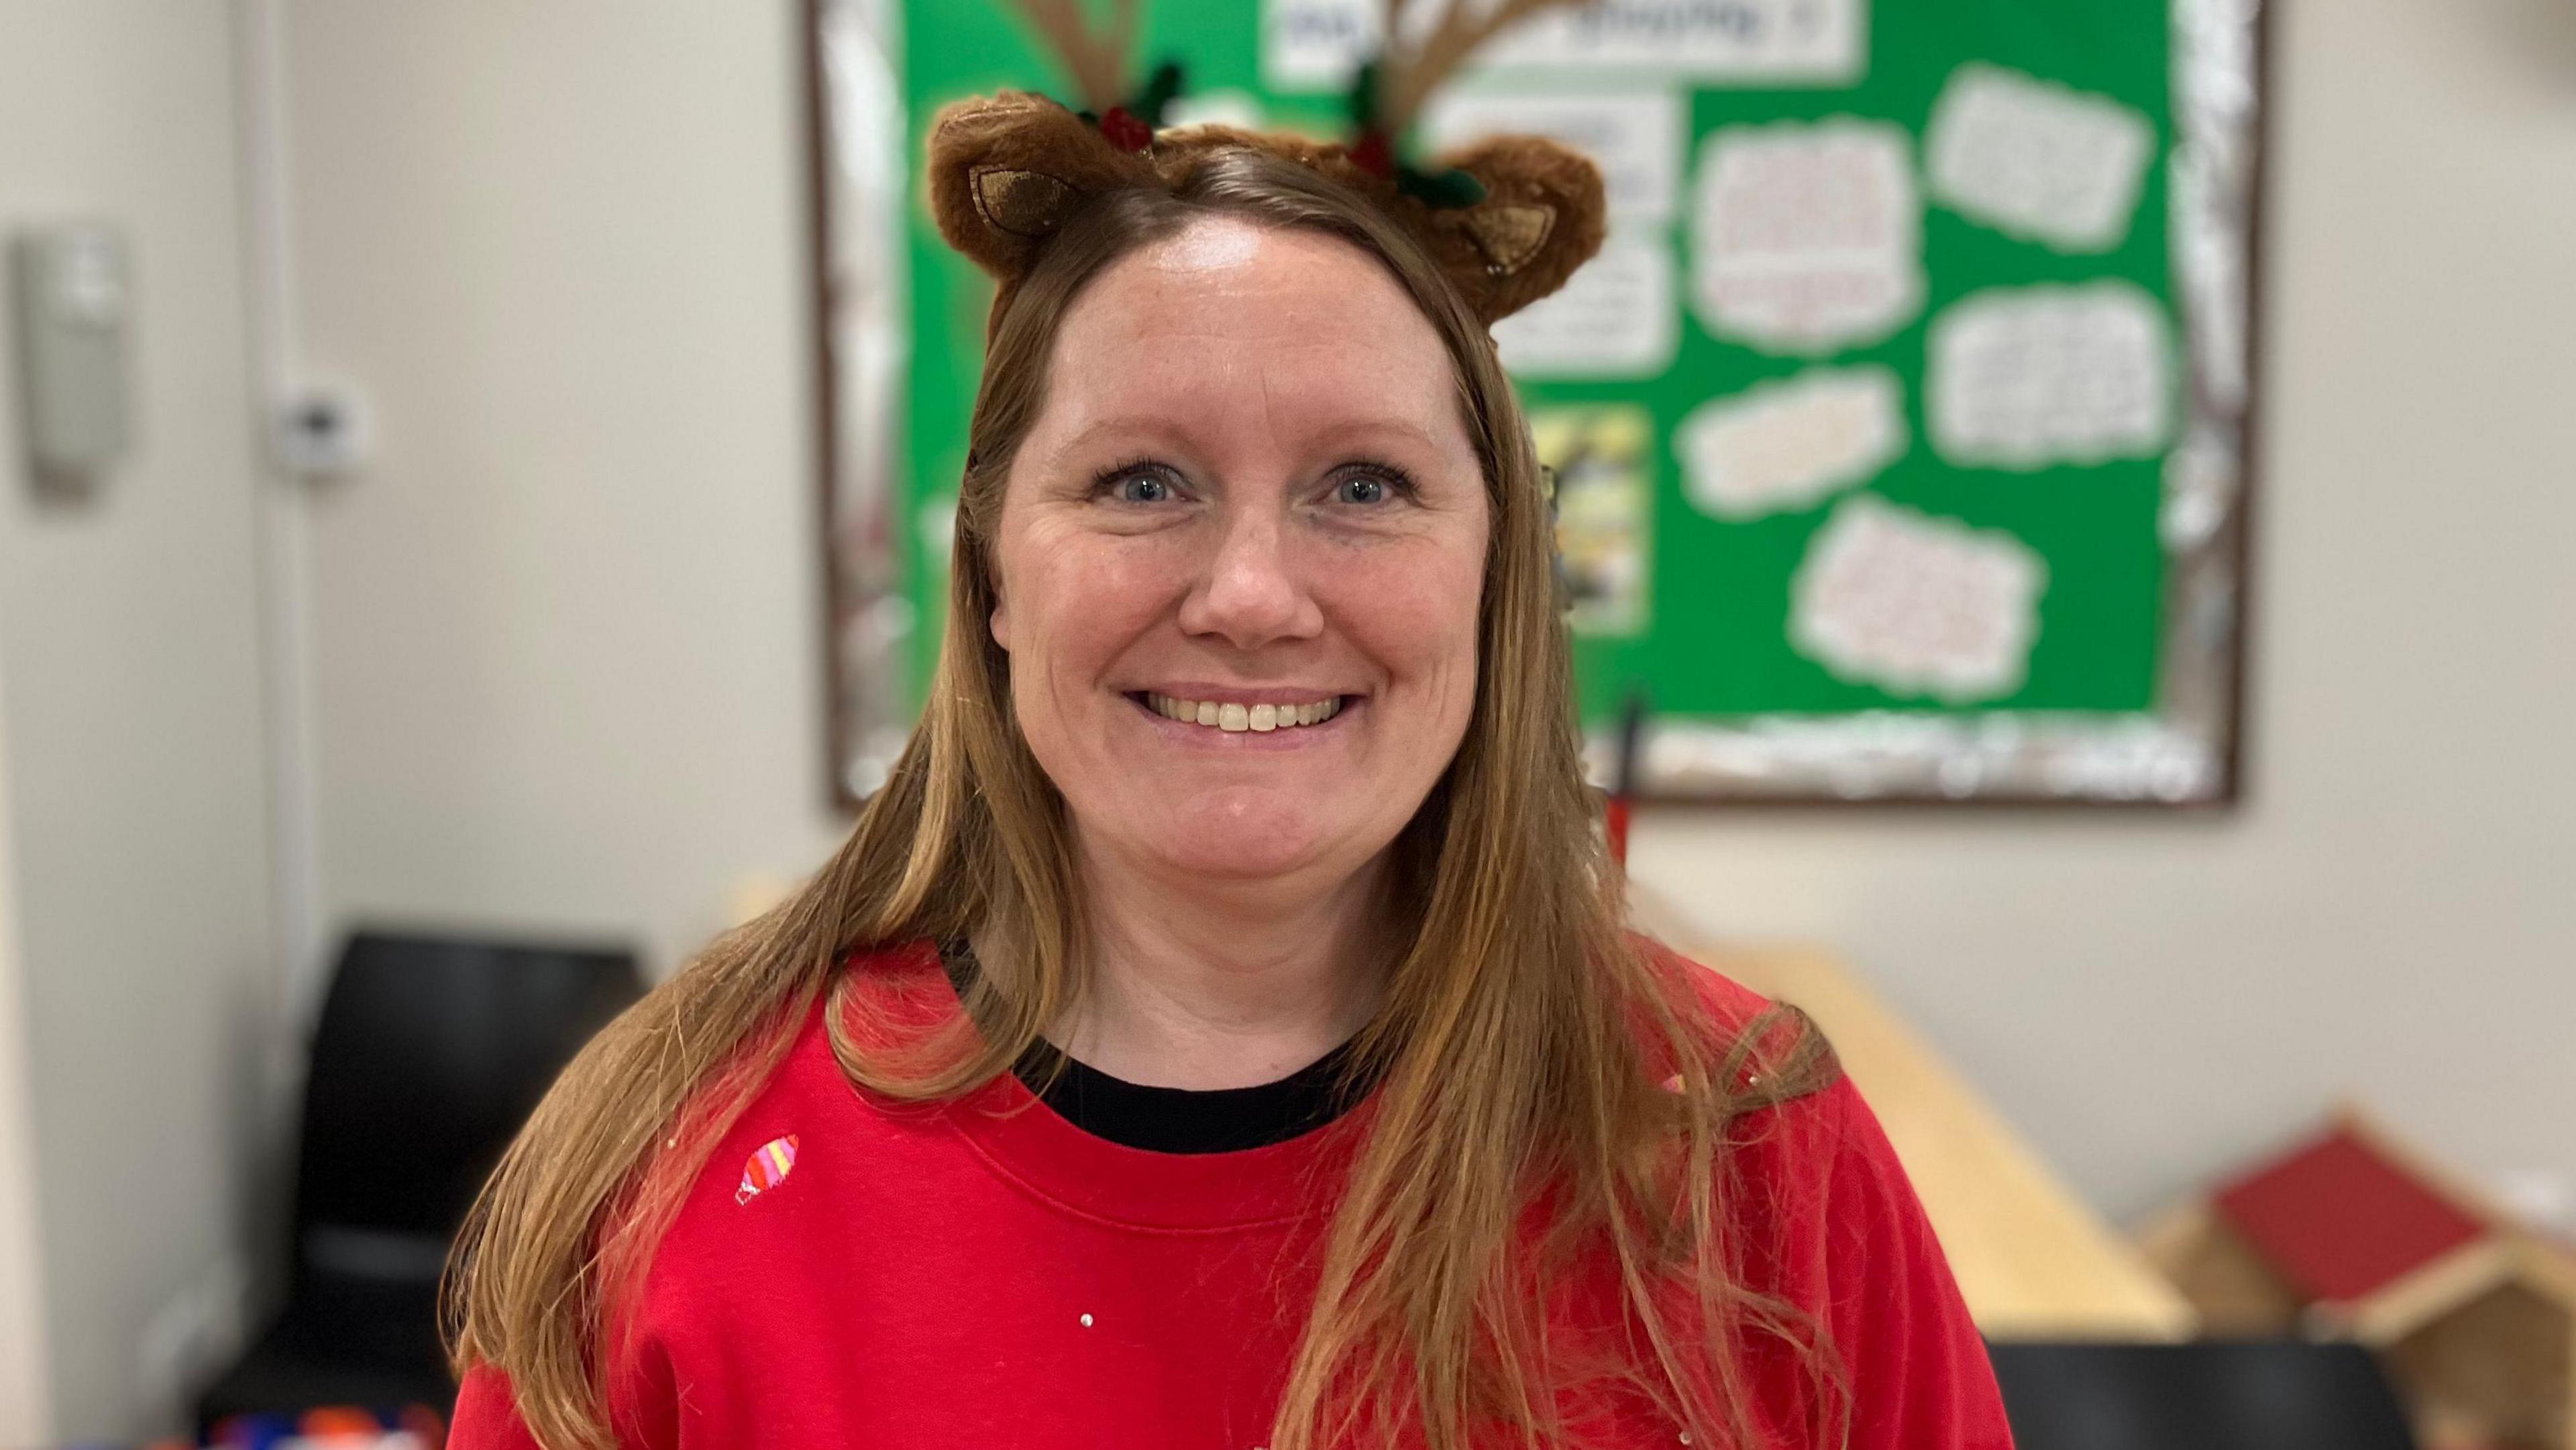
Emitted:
<point x="1220" y="1032"/>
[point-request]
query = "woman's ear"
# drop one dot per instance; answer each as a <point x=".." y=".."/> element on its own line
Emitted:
<point x="1007" y="170"/>
<point x="1543" y="215"/>
<point x="999" y="621"/>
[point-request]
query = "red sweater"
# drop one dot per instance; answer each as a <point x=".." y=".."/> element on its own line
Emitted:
<point x="984" y="1273"/>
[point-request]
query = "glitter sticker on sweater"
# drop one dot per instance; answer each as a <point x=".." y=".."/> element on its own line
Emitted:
<point x="770" y="1164"/>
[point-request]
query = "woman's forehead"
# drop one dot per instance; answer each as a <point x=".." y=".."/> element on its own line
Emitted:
<point x="1227" y="321"/>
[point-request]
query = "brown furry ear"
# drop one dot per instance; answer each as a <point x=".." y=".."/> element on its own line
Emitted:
<point x="1543" y="215"/>
<point x="1006" y="170"/>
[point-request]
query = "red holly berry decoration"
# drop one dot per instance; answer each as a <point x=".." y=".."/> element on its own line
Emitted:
<point x="1372" y="154"/>
<point x="1125" y="131"/>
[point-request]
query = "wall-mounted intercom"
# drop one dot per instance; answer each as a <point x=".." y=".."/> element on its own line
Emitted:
<point x="73" y="299"/>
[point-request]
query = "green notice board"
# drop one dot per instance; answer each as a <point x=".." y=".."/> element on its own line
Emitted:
<point x="1867" y="410"/>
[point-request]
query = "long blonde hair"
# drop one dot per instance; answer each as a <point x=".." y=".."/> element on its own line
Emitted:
<point x="1522" y="1048"/>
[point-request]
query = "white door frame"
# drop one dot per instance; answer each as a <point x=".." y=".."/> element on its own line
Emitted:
<point x="25" y="1397"/>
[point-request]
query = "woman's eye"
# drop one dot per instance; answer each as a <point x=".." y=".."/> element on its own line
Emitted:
<point x="1140" y="488"/>
<point x="1361" y="489"/>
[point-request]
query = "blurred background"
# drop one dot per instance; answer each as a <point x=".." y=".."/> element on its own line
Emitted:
<point x="412" y="521"/>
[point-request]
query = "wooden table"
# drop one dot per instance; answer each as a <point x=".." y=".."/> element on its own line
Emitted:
<point x="2032" y="1259"/>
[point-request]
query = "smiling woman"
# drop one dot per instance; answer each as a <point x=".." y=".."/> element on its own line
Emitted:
<point x="1255" y="492"/>
<point x="1220" y="1031"/>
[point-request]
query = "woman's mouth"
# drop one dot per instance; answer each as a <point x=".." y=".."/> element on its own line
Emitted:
<point x="1236" y="718"/>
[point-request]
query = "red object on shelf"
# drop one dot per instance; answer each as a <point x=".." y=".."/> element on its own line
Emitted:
<point x="427" y="1424"/>
<point x="2340" y="1220"/>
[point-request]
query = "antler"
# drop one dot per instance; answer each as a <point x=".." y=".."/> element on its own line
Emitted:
<point x="1096" y="61"/>
<point x="1405" y="81"/>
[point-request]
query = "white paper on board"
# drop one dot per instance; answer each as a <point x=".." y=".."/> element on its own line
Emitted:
<point x="2027" y="377"/>
<point x="1817" y="42"/>
<point x="1614" y="318"/>
<point x="1787" y="445"/>
<point x="1633" y="134"/>
<point x="937" y="520"/>
<point x="1807" y="236"/>
<point x="2035" y="159"/>
<point x="1317" y="45"/>
<point x="1917" y="605"/>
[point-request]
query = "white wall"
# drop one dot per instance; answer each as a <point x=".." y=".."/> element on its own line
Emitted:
<point x="2390" y="915"/>
<point x="567" y="627"/>
<point x="130" y="704"/>
<point x="566" y="657"/>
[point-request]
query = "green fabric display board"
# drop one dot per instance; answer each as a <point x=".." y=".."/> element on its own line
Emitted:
<point x="1899" y="428"/>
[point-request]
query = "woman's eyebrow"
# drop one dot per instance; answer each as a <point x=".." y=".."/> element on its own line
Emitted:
<point x="1127" y="426"/>
<point x="1323" y="432"/>
<point x="1364" y="428"/>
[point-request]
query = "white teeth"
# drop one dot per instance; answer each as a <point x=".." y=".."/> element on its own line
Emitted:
<point x="1236" y="719"/>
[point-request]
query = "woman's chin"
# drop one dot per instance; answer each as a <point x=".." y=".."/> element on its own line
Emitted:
<point x="1236" y="838"/>
<point x="1226" y="856"/>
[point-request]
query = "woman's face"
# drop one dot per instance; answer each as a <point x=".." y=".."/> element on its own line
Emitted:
<point x="1240" y="558"/>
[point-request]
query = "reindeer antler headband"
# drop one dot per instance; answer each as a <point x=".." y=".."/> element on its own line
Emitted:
<point x="1508" y="219"/>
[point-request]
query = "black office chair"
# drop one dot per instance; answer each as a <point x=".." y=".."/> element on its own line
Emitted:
<point x="2205" y="1395"/>
<point x="430" y="1054"/>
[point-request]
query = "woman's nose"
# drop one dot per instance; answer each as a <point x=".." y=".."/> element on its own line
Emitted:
<point x="1254" y="590"/>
